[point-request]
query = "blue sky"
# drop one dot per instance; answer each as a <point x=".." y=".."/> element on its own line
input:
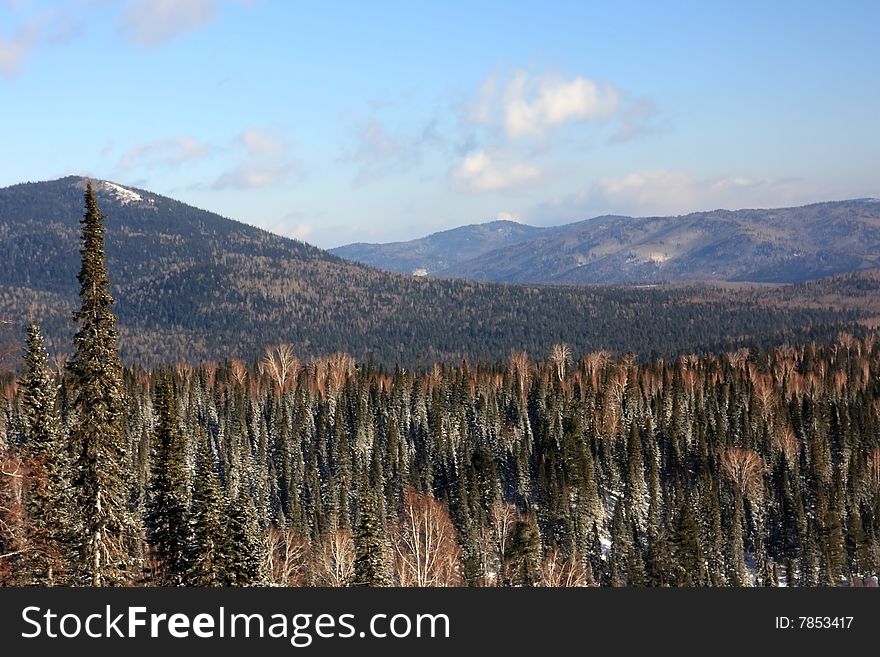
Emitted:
<point x="374" y="121"/>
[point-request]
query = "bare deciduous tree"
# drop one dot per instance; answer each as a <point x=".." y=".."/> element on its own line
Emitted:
<point x="560" y="356"/>
<point x="785" y="442"/>
<point x="745" y="469"/>
<point x="334" y="558"/>
<point x="426" y="550"/>
<point x="12" y="512"/>
<point x="874" y="471"/>
<point x="738" y="358"/>
<point x="558" y="572"/>
<point x="184" y="371"/>
<point x="238" y="370"/>
<point x="280" y="364"/>
<point x="519" y="363"/>
<point x="287" y="557"/>
<point x="340" y="366"/>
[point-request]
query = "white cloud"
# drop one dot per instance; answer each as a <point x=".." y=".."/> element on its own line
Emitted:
<point x="676" y="192"/>
<point x="150" y="22"/>
<point x="662" y="192"/>
<point x="263" y="161"/>
<point x="164" y="153"/>
<point x="481" y="171"/>
<point x="483" y="109"/>
<point x="532" y="106"/>
<point x="253" y="174"/>
<point x="259" y="142"/>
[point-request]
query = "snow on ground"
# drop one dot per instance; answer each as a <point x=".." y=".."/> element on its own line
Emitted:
<point x="123" y="194"/>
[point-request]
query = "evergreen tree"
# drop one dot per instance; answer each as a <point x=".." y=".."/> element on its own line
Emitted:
<point x="246" y="547"/>
<point x="621" y="546"/>
<point x="47" y="487"/>
<point x="108" y="532"/>
<point x="522" y="557"/>
<point x="206" y="556"/>
<point x="371" y="563"/>
<point x="167" y="503"/>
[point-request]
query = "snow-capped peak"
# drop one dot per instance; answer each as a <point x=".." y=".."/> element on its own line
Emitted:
<point x="121" y="194"/>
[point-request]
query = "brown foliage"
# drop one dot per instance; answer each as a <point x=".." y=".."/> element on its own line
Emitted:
<point x="238" y="370"/>
<point x="745" y="469"/>
<point x="874" y="470"/>
<point x="785" y="442"/>
<point x="13" y="517"/>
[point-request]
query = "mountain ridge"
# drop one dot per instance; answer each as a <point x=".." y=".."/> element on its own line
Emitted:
<point x="473" y="239"/>
<point x="777" y="245"/>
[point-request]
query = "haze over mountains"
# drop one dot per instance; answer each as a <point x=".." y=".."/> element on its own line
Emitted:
<point x="784" y="245"/>
<point x="191" y="285"/>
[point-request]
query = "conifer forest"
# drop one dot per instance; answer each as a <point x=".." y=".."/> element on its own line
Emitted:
<point x="750" y="467"/>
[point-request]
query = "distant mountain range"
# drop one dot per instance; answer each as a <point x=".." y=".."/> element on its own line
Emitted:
<point x="785" y="245"/>
<point x="191" y="285"/>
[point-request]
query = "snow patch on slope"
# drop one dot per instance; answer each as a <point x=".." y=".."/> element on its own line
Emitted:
<point x="122" y="194"/>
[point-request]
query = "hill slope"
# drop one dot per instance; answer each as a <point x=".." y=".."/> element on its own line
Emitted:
<point x="191" y="285"/>
<point x="443" y="251"/>
<point x="784" y="245"/>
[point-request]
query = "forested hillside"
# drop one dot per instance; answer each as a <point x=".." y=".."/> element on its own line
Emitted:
<point x="744" y="467"/>
<point x="191" y="286"/>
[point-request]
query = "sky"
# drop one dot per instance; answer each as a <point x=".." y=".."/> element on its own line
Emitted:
<point x="336" y="122"/>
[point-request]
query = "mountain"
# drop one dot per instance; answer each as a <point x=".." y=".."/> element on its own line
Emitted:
<point x="785" y="245"/>
<point x="191" y="285"/>
<point x="441" y="251"/>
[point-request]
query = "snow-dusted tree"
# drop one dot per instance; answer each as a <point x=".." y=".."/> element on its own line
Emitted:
<point x="371" y="559"/>
<point x="245" y="548"/>
<point x="522" y="558"/>
<point x="205" y="558"/>
<point x="168" y="499"/>
<point x="47" y="485"/>
<point x="744" y="468"/>
<point x="108" y="531"/>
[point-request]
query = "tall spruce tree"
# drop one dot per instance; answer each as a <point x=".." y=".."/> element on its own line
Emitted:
<point x="522" y="558"/>
<point x="370" y="563"/>
<point x="47" y="489"/>
<point x="205" y="556"/>
<point x="167" y="502"/>
<point x="245" y="547"/>
<point x="108" y="532"/>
